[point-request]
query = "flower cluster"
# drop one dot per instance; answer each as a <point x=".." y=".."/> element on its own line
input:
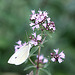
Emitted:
<point x="42" y="21"/>
<point x="57" y="57"/>
<point x="36" y="39"/>
<point x="19" y="45"/>
<point x="42" y="59"/>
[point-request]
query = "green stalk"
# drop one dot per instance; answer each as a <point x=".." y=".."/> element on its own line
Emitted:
<point x="38" y="61"/>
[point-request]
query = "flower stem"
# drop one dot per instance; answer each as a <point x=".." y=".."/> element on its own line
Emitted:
<point x="38" y="61"/>
<point x="32" y="62"/>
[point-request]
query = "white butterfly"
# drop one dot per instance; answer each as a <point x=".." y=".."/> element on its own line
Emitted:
<point x="20" y="55"/>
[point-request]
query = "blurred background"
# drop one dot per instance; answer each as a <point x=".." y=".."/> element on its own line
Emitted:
<point x="14" y="22"/>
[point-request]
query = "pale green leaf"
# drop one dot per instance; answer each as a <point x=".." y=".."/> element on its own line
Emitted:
<point x="46" y="65"/>
<point x="46" y="71"/>
<point x="33" y="51"/>
<point x="29" y="67"/>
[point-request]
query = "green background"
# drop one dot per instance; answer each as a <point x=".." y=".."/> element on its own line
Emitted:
<point x="14" y="22"/>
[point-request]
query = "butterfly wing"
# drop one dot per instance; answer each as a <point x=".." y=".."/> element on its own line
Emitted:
<point x="20" y="55"/>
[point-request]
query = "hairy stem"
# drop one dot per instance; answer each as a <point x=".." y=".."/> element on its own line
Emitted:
<point x="38" y="61"/>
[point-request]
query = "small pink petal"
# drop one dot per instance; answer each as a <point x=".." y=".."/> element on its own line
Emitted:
<point x="39" y="19"/>
<point x="53" y="59"/>
<point x="16" y="47"/>
<point x="41" y="57"/>
<point x="33" y="16"/>
<point x="34" y="34"/>
<point x="24" y="43"/>
<point x="33" y="42"/>
<point x="37" y="26"/>
<point x="54" y="28"/>
<point x="33" y="28"/>
<point x="44" y="25"/>
<point x="60" y="60"/>
<point x="31" y="24"/>
<point x="40" y="12"/>
<point x="45" y="60"/>
<point x="48" y="19"/>
<point x="56" y="50"/>
<point x="50" y="27"/>
<point x="36" y="21"/>
<point x="19" y="42"/>
<point x="39" y="37"/>
<point x="45" y="13"/>
<point x="42" y="17"/>
<point x="33" y="11"/>
<point x="62" y="55"/>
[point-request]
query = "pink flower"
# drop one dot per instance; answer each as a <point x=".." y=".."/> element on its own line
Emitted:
<point x="33" y="16"/>
<point x="57" y="57"/>
<point x="33" y="28"/>
<point x="53" y="59"/>
<point x="60" y="60"/>
<point x="36" y="26"/>
<point x="42" y="59"/>
<point x="39" y="37"/>
<point x="41" y="19"/>
<point x="34" y="42"/>
<point x="34" y="34"/>
<point x="19" y="45"/>
<point x="45" y="24"/>
<point x="33" y="11"/>
<point x="62" y="55"/>
<point x="19" y="42"/>
<point x="36" y="39"/>
<point x="56" y="51"/>
<point x="40" y="12"/>
<point x="45" y="60"/>
<point x="31" y="24"/>
<point x="45" y="13"/>
<point x="48" y="19"/>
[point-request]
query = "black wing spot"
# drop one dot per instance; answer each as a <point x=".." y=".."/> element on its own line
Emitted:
<point x="15" y="57"/>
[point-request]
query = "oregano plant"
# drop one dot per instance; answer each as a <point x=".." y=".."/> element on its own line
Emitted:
<point x="41" y="26"/>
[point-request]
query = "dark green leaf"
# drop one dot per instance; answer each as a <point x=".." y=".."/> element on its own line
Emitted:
<point x="31" y="73"/>
<point x="33" y="51"/>
<point x="46" y="71"/>
<point x="45" y="66"/>
<point x="29" y="67"/>
<point x="41" y="45"/>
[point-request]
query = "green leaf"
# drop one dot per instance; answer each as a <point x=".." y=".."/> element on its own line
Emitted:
<point x="33" y="51"/>
<point x="31" y="73"/>
<point x="29" y="67"/>
<point x="26" y="61"/>
<point x="34" y="55"/>
<point x="45" y="41"/>
<point x="45" y="66"/>
<point x="41" y="45"/>
<point x="44" y="70"/>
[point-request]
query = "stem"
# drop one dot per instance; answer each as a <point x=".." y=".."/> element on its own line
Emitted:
<point x="43" y="40"/>
<point x="38" y="61"/>
<point x="32" y="62"/>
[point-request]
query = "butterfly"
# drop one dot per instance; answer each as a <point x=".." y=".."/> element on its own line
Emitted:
<point x="20" y="55"/>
